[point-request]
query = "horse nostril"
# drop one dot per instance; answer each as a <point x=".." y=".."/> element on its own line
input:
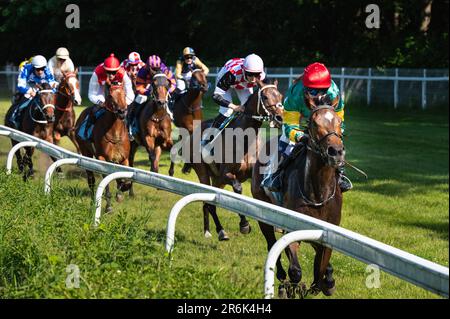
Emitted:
<point x="332" y="151"/>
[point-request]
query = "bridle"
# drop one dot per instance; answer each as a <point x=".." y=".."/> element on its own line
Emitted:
<point x="41" y="108"/>
<point x="315" y="145"/>
<point x="69" y="93"/>
<point x="195" y="84"/>
<point x="260" y="103"/>
<point x="159" y="78"/>
<point x="111" y="105"/>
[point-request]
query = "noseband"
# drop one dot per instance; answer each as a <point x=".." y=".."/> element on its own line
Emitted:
<point x="41" y="108"/>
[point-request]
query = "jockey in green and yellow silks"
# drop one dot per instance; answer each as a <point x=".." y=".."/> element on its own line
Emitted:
<point x="315" y="81"/>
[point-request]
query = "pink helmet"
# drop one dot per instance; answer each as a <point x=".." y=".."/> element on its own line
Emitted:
<point x="154" y="62"/>
<point x="134" y="58"/>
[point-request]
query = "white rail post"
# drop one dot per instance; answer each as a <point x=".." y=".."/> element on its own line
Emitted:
<point x="13" y="151"/>
<point x="278" y="248"/>
<point x="424" y="90"/>
<point x="342" y="82"/>
<point x="396" y="89"/>
<point x="369" y="85"/>
<point x="176" y="209"/>
<point x="52" y="168"/>
<point x="101" y="188"/>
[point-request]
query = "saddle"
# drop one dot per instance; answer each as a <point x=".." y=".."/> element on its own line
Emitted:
<point x="87" y="126"/>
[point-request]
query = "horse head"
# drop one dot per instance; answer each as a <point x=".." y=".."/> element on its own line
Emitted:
<point x="45" y="103"/>
<point x="160" y="89"/>
<point x="325" y="135"/>
<point x="269" y="102"/>
<point x="116" y="101"/>
<point x="70" y="86"/>
<point x="199" y="81"/>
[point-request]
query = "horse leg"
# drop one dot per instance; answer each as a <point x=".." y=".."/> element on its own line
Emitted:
<point x="91" y="182"/>
<point x="123" y="185"/>
<point x="269" y="235"/>
<point x="71" y="135"/>
<point x="28" y="161"/>
<point x="213" y="211"/>
<point x="158" y="152"/>
<point x="323" y="271"/>
<point x="133" y="149"/>
<point x="295" y="272"/>
<point x="19" y="158"/>
<point x="151" y="150"/>
<point x="171" y="169"/>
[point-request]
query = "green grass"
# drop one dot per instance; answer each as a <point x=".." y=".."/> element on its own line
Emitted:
<point x="404" y="204"/>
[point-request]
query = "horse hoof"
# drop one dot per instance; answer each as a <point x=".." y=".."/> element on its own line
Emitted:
<point x="171" y="173"/>
<point x="245" y="229"/>
<point x="119" y="198"/>
<point x="278" y="230"/>
<point x="328" y="288"/>
<point x="282" y="293"/>
<point x="125" y="186"/>
<point x="108" y="210"/>
<point x="223" y="235"/>
<point x="208" y="234"/>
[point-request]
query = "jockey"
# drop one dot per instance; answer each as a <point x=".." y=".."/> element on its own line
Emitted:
<point x="60" y="63"/>
<point x="238" y="75"/>
<point x="315" y="80"/>
<point x="143" y="83"/>
<point x="32" y="73"/>
<point x="184" y="67"/>
<point x="105" y="74"/>
<point x="132" y="65"/>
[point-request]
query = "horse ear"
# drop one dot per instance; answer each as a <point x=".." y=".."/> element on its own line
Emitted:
<point x="76" y="71"/>
<point x="275" y="83"/>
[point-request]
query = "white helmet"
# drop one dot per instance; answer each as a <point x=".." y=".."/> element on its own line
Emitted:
<point x="134" y="58"/>
<point x="253" y="63"/>
<point x="39" y="61"/>
<point x="62" y="53"/>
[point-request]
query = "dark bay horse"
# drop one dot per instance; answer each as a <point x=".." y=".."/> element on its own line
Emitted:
<point x="110" y="141"/>
<point x="68" y="95"/>
<point x="37" y="120"/>
<point x="311" y="188"/>
<point x="188" y="108"/>
<point x="265" y="104"/>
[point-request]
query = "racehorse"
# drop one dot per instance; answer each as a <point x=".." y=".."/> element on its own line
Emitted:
<point x="188" y="108"/>
<point x="311" y="188"/>
<point x="37" y="120"/>
<point x="68" y="94"/>
<point x="265" y="104"/>
<point x="109" y="140"/>
<point x="155" y="125"/>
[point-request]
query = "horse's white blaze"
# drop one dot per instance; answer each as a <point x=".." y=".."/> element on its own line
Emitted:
<point x="329" y="116"/>
<point x="73" y="81"/>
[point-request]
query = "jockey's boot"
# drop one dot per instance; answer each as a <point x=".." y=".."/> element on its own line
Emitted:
<point x="217" y="124"/>
<point x="344" y="182"/>
<point x="274" y="181"/>
<point x="130" y="121"/>
<point x="16" y="116"/>
<point x="91" y="117"/>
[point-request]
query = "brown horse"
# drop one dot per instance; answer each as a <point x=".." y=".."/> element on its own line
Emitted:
<point x="68" y="94"/>
<point x="188" y="108"/>
<point x="37" y="120"/>
<point x="155" y="125"/>
<point x="265" y="104"/>
<point x="311" y="188"/>
<point x="109" y="140"/>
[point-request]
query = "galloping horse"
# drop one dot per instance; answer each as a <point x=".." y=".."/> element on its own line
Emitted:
<point x="188" y="108"/>
<point x="109" y="140"/>
<point x="155" y="128"/>
<point x="68" y="94"/>
<point x="264" y="104"/>
<point x="37" y="120"/>
<point x="311" y="188"/>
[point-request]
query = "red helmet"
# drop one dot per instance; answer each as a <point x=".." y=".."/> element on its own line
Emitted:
<point x="111" y="63"/>
<point x="316" y="76"/>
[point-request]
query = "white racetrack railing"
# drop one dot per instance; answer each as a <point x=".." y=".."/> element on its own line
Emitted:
<point x="411" y="268"/>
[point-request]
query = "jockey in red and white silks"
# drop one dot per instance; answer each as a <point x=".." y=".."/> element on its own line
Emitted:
<point x="237" y="75"/>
